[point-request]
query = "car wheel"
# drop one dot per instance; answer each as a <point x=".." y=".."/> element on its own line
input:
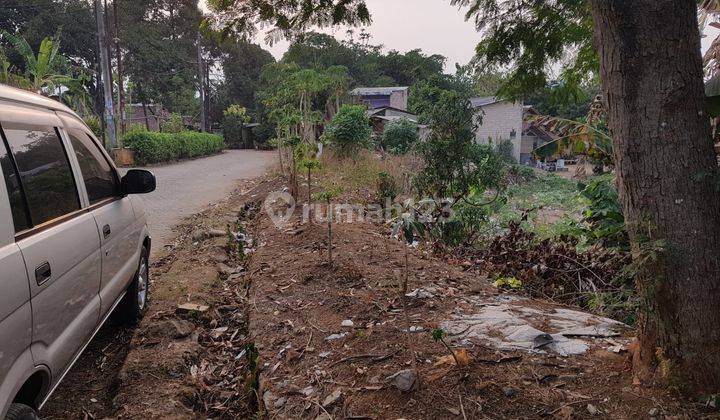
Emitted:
<point x="133" y="306"/>
<point x="21" y="412"/>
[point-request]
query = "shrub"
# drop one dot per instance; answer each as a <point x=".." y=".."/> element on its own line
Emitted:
<point x="604" y="217"/>
<point x="349" y="131"/>
<point x="153" y="147"/>
<point x="456" y="166"/>
<point x="504" y="149"/>
<point x="174" y="124"/>
<point x="399" y="136"/>
<point x="386" y="188"/>
<point x="520" y="174"/>
<point x="94" y="124"/>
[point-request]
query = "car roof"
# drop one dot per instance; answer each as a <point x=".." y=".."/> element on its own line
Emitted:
<point x="26" y="97"/>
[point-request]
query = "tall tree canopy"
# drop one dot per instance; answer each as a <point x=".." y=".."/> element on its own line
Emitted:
<point x="36" y="20"/>
<point x="287" y="17"/>
<point x="242" y="65"/>
<point x="532" y="37"/>
<point x="159" y="37"/>
<point x="366" y="63"/>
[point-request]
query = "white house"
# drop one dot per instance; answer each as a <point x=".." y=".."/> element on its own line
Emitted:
<point x="500" y="120"/>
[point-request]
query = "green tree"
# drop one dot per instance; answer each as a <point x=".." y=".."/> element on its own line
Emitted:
<point x="242" y="65"/>
<point x="234" y="119"/>
<point x="456" y="167"/>
<point x="349" y="131"/>
<point x="531" y="37"/>
<point x="40" y="19"/>
<point x="399" y="136"/>
<point x="159" y="39"/>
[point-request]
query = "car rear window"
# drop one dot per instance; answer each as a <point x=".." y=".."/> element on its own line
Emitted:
<point x="45" y="173"/>
<point x="14" y="191"/>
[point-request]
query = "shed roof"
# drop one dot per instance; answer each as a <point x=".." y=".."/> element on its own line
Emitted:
<point x="363" y="91"/>
<point x="481" y="101"/>
<point x="393" y="118"/>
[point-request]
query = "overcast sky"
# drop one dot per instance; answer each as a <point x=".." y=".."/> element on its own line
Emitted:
<point x="431" y="25"/>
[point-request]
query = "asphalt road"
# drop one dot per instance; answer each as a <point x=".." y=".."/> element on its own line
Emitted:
<point x="187" y="187"/>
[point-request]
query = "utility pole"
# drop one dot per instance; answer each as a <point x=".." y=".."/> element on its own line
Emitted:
<point x="118" y="58"/>
<point x="106" y="77"/>
<point x="201" y="80"/>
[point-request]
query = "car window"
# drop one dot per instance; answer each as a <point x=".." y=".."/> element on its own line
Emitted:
<point x="45" y="173"/>
<point x="17" y="204"/>
<point x="98" y="175"/>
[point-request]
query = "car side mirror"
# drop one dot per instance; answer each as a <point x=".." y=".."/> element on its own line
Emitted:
<point x="137" y="181"/>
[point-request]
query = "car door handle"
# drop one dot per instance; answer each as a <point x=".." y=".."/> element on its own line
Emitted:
<point x="106" y="231"/>
<point x="43" y="273"/>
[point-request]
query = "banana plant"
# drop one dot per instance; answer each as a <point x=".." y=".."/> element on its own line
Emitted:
<point x="588" y="138"/>
<point x="41" y="70"/>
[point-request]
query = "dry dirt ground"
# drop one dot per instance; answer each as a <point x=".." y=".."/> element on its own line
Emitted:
<point x="275" y="341"/>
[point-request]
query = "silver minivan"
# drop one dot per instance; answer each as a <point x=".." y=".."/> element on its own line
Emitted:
<point x="74" y="246"/>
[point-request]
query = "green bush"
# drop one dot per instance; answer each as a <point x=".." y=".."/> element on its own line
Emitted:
<point x="386" y="188"/>
<point x="504" y="149"/>
<point x="93" y="122"/>
<point x="152" y="147"/>
<point x="603" y="216"/>
<point x="349" y="131"/>
<point x="399" y="136"/>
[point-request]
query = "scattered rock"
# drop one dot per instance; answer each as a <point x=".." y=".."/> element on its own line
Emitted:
<point x="201" y="235"/>
<point x="332" y="337"/>
<point x="280" y="402"/>
<point x="542" y="340"/>
<point x="347" y="323"/>
<point x="170" y="328"/>
<point x="420" y="294"/>
<point x="332" y="398"/>
<point x="404" y="380"/>
<point x="219" y="256"/>
<point x="592" y="410"/>
<point x="453" y="411"/>
<point x="268" y="398"/>
<point x="654" y="412"/>
<point x="618" y="348"/>
<point x="191" y="307"/>
<point x="509" y="392"/>
<point x="217" y="332"/>
<point x="227" y="270"/>
<point x="325" y="354"/>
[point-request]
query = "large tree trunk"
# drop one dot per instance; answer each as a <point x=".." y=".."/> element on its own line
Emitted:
<point x="668" y="182"/>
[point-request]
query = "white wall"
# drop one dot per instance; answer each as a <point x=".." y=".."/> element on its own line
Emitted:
<point x="498" y="122"/>
<point x="399" y="99"/>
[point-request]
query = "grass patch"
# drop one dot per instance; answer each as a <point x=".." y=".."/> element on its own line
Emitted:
<point x="357" y="176"/>
<point x="547" y="206"/>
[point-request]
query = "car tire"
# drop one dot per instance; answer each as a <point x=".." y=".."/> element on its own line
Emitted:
<point x="21" y="412"/>
<point x="132" y="307"/>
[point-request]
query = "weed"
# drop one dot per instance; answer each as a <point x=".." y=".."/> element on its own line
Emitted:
<point x="386" y="188"/>
<point x="438" y="334"/>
